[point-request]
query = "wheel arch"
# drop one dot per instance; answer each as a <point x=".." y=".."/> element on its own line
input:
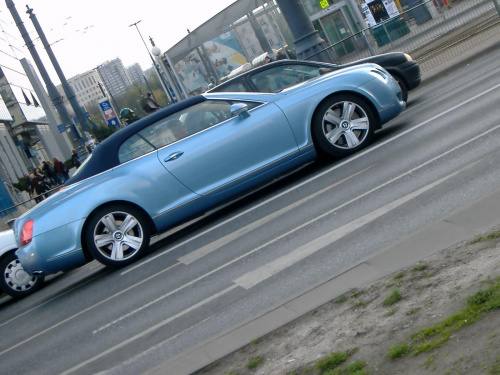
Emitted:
<point x="86" y="252"/>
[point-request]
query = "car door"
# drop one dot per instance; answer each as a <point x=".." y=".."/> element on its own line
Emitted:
<point x="220" y="150"/>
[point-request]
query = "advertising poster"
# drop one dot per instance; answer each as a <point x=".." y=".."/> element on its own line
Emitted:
<point x="225" y="53"/>
<point x="192" y="72"/>
<point x="381" y="10"/>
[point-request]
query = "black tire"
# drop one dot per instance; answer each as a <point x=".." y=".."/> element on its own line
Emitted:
<point x="117" y="235"/>
<point x="15" y="281"/>
<point x="404" y="88"/>
<point x="342" y="125"/>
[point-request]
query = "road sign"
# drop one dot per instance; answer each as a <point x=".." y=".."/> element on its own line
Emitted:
<point x="113" y="122"/>
<point x="108" y="112"/>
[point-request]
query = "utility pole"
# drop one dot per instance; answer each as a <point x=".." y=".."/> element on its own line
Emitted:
<point x="307" y="39"/>
<point x="70" y="94"/>
<point x="164" y="85"/>
<point x="54" y="95"/>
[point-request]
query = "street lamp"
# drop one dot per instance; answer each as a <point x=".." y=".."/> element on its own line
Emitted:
<point x="170" y="71"/>
<point x="164" y="86"/>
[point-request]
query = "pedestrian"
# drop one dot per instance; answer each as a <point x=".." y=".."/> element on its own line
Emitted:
<point x="36" y="187"/>
<point x="62" y="172"/>
<point x="149" y="105"/>
<point x="74" y="159"/>
<point x="50" y="172"/>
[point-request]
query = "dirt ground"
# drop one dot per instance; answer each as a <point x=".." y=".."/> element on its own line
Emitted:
<point x="432" y="290"/>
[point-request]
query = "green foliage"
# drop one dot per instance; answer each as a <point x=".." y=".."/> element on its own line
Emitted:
<point x="494" y="368"/>
<point x="254" y="362"/>
<point x="398" y="350"/>
<point x="331" y="361"/>
<point x="393" y="298"/>
<point x="421" y="267"/>
<point x="341" y="299"/>
<point x="489" y="237"/>
<point x="436" y="335"/>
<point x="22" y="185"/>
<point x="398" y="276"/>
<point x="103" y="132"/>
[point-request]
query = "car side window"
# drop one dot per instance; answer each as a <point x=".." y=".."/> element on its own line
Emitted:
<point x="233" y="87"/>
<point x="177" y="126"/>
<point x="283" y="76"/>
<point x="134" y="147"/>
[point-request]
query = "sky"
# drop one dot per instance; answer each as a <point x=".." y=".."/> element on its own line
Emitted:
<point x="86" y="33"/>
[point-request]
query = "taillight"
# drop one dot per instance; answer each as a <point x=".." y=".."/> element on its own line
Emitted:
<point x="27" y="232"/>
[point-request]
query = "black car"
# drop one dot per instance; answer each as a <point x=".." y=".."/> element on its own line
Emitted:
<point x="275" y="76"/>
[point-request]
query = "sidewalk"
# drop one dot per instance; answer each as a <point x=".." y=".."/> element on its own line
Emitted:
<point x="460" y="226"/>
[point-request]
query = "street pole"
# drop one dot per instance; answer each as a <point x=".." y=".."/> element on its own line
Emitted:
<point x="307" y="39"/>
<point x="163" y="84"/>
<point x="54" y="95"/>
<point x="70" y="95"/>
<point x="169" y="71"/>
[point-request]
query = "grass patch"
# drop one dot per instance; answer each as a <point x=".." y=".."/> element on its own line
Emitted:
<point x="341" y="299"/>
<point x="399" y="350"/>
<point x="392" y="299"/>
<point x="359" y="303"/>
<point x="329" y="365"/>
<point x="494" y="369"/>
<point x="254" y="362"/>
<point x="399" y="275"/>
<point x="489" y="237"/>
<point x="434" y="336"/>
<point x="255" y="341"/>
<point x="421" y="267"/>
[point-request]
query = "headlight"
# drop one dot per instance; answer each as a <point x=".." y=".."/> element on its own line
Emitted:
<point x="408" y="57"/>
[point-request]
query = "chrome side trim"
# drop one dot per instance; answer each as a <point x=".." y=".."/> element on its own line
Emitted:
<point x="64" y="255"/>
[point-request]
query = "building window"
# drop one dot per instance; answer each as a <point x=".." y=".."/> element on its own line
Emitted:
<point x="271" y="42"/>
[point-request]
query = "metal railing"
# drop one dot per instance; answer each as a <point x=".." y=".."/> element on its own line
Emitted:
<point x="432" y="33"/>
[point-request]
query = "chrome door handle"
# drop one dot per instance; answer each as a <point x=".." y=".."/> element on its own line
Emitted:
<point x="175" y="155"/>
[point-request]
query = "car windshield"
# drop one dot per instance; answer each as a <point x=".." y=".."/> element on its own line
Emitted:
<point x="283" y="76"/>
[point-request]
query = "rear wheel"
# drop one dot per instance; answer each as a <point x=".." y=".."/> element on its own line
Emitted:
<point x="15" y="281"/>
<point x="342" y="125"/>
<point x="117" y="235"/>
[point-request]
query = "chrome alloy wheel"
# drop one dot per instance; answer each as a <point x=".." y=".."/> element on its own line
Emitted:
<point x="17" y="278"/>
<point x="118" y="236"/>
<point x="345" y="125"/>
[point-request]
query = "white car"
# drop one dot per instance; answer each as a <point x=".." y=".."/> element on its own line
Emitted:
<point x="15" y="281"/>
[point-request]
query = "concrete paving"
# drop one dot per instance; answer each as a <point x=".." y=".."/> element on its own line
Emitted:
<point x="462" y="225"/>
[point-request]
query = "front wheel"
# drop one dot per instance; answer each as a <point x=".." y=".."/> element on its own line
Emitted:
<point x="117" y="236"/>
<point x="342" y="125"/>
<point x="15" y="281"/>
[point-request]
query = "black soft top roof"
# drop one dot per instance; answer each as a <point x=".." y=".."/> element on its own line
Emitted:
<point x="105" y="155"/>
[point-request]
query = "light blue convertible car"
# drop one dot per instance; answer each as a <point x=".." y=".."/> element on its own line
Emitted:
<point x="188" y="158"/>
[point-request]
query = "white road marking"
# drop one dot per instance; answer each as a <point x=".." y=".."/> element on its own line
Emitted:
<point x="211" y="247"/>
<point x="258" y="275"/>
<point x="149" y="330"/>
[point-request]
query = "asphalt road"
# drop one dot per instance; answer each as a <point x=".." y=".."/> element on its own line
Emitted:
<point x="440" y="155"/>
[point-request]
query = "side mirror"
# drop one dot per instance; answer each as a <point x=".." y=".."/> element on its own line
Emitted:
<point x="240" y="109"/>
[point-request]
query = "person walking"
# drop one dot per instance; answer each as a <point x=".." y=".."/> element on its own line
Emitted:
<point x="75" y="159"/>
<point x="62" y="172"/>
<point x="36" y="187"/>
<point x="50" y="172"/>
<point x="149" y="105"/>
